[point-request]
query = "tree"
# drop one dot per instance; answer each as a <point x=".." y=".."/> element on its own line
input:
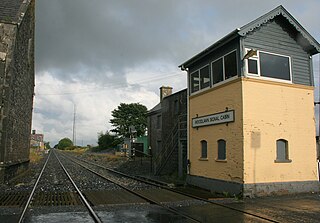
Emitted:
<point x="47" y="145"/>
<point x="134" y="114"/>
<point x="64" y="143"/>
<point x="107" y="141"/>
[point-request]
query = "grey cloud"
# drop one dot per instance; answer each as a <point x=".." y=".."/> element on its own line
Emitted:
<point x="99" y="40"/>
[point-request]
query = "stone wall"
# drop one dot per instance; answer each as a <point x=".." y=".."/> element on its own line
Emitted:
<point x="17" y="91"/>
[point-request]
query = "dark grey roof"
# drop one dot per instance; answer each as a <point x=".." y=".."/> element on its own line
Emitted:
<point x="155" y="109"/>
<point x="11" y="10"/>
<point x="313" y="47"/>
<point x="158" y="107"/>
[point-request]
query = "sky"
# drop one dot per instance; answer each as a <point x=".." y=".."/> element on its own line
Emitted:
<point x="93" y="55"/>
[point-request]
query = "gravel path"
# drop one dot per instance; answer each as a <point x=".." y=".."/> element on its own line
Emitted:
<point x="25" y="181"/>
<point x="124" y="181"/>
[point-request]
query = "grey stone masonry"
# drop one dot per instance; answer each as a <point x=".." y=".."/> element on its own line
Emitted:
<point x="16" y="84"/>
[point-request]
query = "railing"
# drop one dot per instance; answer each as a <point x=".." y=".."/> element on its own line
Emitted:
<point x="172" y="142"/>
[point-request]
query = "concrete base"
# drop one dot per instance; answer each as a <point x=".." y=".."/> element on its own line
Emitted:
<point x="215" y="185"/>
<point x="280" y="188"/>
<point x="253" y="190"/>
<point x="7" y="172"/>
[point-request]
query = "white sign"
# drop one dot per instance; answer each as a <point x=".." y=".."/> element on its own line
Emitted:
<point x="214" y="119"/>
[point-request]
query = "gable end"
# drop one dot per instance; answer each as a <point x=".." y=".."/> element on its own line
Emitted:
<point x="299" y="33"/>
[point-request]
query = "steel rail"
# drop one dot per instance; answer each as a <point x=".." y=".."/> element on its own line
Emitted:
<point x="171" y="209"/>
<point x="33" y="190"/>
<point x="86" y="203"/>
<point x="179" y="192"/>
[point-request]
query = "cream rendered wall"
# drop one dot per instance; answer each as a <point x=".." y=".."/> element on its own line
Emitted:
<point x="272" y="111"/>
<point x="212" y="101"/>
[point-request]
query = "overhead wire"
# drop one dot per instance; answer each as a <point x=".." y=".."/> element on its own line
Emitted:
<point x="113" y="85"/>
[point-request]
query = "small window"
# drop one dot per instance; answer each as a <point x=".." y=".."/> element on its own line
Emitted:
<point x="200" y="79"/>
<point x="222" y="149"/>
<point x="203" y="149"/>
<point x="195" y="86"/>
<point x="282" y="151"/>
<point x="252" y="66"/>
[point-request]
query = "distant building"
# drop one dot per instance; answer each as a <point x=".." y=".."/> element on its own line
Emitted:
<point x="167" y="132"/>
<point x="36" y="140"/>
<point x="16" y="84"/>
<point x="251" y="110"/>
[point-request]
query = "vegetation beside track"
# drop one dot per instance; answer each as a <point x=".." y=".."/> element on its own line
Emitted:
<point x="35" y="155"/>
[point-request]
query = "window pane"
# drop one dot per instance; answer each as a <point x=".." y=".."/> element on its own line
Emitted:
<point x="204" y="77"/>
<point x="195" y="82"/>
<point x="252" y="66"/>
<point x="221" y="149"/>
<point x="274" y="66"/>
<point x="203" y="149"/>
<point x="282" y="151"/>
<point x="217" y="71"/>
<point x="230" y="65"/>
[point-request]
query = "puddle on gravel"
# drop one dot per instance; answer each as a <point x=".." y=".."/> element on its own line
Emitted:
<point x="162" y="216"/>
<point x="111" y="216"/>
<point x="69" y="217"/>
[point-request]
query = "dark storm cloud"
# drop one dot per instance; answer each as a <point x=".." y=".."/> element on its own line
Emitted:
<point x="94" y="37"/>
<point x="99" y="40"/>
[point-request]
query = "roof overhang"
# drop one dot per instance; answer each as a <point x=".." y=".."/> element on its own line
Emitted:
<point x="216" y="45"/>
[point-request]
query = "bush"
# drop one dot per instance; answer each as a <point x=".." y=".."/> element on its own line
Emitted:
<point x="107" y="141"/>
<point x="65" y="143"/>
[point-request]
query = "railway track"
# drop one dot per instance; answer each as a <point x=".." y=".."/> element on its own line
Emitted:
<point x="66" y="180"/>
<point x="96" y="169"/>
<point x="124" y="184"/>
<point x="55" y="200"/>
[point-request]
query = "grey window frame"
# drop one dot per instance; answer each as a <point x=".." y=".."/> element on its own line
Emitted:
<point x="223" y="67"/>
<point x="257" y="59"/>
<point x="198" y="71"/>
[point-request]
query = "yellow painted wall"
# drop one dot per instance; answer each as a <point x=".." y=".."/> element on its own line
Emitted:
<point x="278" y="111"/>
<point x="209" y="102"/>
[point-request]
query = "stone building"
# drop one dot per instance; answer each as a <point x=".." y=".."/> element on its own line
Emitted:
<point x="251" y="110"/>
<point x="16" y="84"/>
<point x="167" y="132"/>
<point x="36" y="140"/>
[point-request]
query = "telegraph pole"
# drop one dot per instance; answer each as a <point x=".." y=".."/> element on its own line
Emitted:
<point x="74" y="126"/>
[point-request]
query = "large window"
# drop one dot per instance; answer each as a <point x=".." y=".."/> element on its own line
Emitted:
<point x="204" y="77"/>
<point x="224" y="67"/>
<point x="217" y="71"/>
<point x="200" y="79"/>
<point x="222" y="153"/>
<point x="282" y="151"/>
<point x="204" y="149"/>
<point x="269" y="65"/>
<point x="230" y="65"/>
